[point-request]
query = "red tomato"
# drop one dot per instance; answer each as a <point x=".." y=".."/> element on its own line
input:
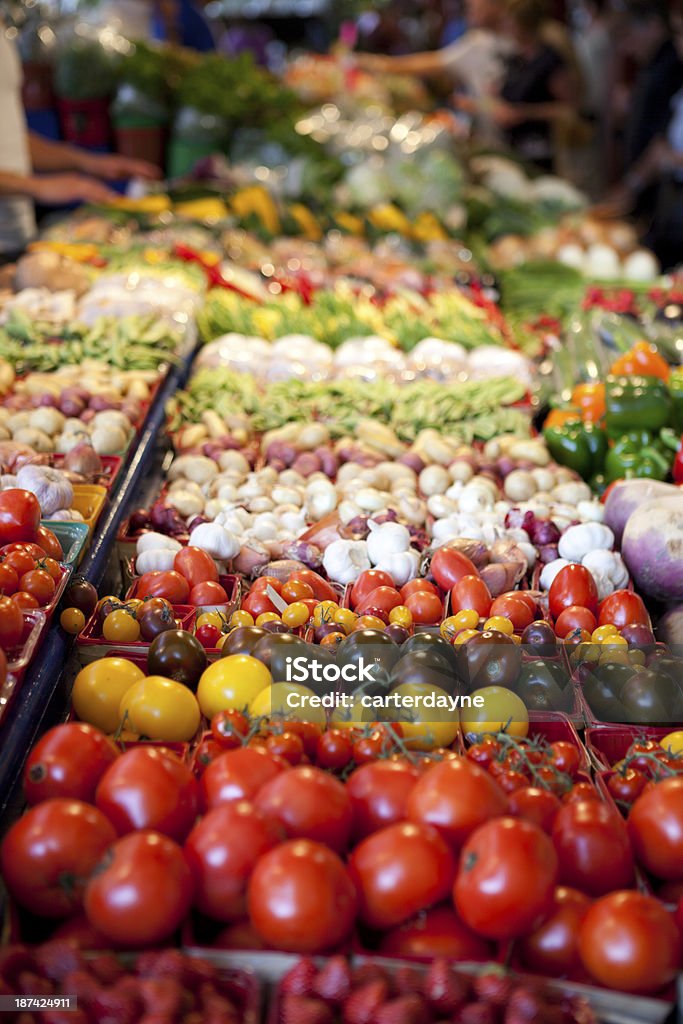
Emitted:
<point x="196" y="565"/>
<point x="368" y="581"/>
<point x="148" y="789"/>
<point x="68" y="761"/>
<point x="455" y="797"/>
<point x="170" y="585"/>
<point x="414" y="585"/>
<point x="237" y="775"/>
<point x="593" y="848"/>
<point x="655" y="828"/>
<point x="629" y="941"/>
<point x="515" y="608"/>
<point x="334" y="750"/>
<point x="573" y="585"/>
<point x="40" y="584"/>
<point x="9" y="579"/>
<point x="508" y="871"/>
<point x="426" y="608"/>
<point x="526" y="596"/>
<point x="20" y="560"/>
<point x="622" y="608"/>
<point x="565" y="757"/>
<point x="52" y="567"/>
<point x="301" y="899"/>
<point x="267" y="581"/>
<point x="56" y="840"/>
<point x="11" y="623"/>
<point x="208" y="593"/>
<point x="438" y="932"/>
<point x="49" y="543"/>
<point x="19" y="515"/>
<point x="3" y="667"/>
<point x="257" y="603"/>
<point x="141" y="892"/>
<point x="534" y="804"/>
<point x="286" y="745"/>
<point x="471" y="592"/>
<point x="222" y="850"/>
<point x="553" y="947"/>
<point x="379" y="794"/>
<point x="399" y="871"/>
<point x="308" y="804"/>
<point x="573" y="618"/>
<point x="229" y="728"/>
<point x="322" y="591"/>
<point x="449" y="565"/>
<point x="207" y="751"/>
<point x="385" y="598"/>
<point x="296" y="590"/>
<point x="207" y="634"/>
<point x="24" y="601"/>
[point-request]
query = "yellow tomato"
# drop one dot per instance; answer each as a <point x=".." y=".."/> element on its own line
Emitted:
<point x="345" y="618"/>
<point x="241" y="618"/>
<point x="502" y="710"/>
<point x="98" y="690"/>
<point x="290" y="700"/>
<point x="673" y="743"/>
<point x="324" y="612"/>
<point x="231" y="683"/>
<point x="267" y="617"/>
<point x="352" y="717"/>
<point x="602" y="632"/>
<point x="402" y="616"/>
<point x="464" y="636"/>
<point x="614" y="641"/>
<point x="468" y="618"/>
<point x="211" y="619"/>
<point x="121" y="627"/>
<point x="72" y="620"/>
<point x="160" y="709"/>
<point x="132" y="605"/>
<point x="221" y="640"/>
<point x="424" y="727"/>
<point x="370" y="622"/>
<point x="295" y="614"/>
<point x="501" y="624"/>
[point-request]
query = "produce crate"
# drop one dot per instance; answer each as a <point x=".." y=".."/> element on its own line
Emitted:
<point x="111" y="467"/>
<point x="608" y="744"/>
<point x="230" y="583"/>
<point x="72" y="536"/>
<point x="7" y="691"/>
<point x="18" y="658"/>
<point x="60" y="587"/>
<point x="91" y="645"/>
<point x="554" y="727"/>
<point x="89" y="501"/>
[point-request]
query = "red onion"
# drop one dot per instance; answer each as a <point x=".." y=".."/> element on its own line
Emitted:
<point x="197" y="521"/>
<point x="301" y="551"/>
<point x="158" y="515"/>
<point x="518" y="520"/>
<point x="413" y="461"/>
<point x="277" y="464"/>
<point x="88" y="415"/>
<point x="419" y="539"/>
<point x="505" y="465"/>
<point x="306" y="463"/>
<point x="40" y="401"/>
<point x="475" y="550"/>
<point x="543" y="532"/>
<point x="281" y="450"/>
<point x="138" y="520"/>
<point x="72" y="406"/>
<point x="100" y="403"/>
<point x="390" y="516"/>
<point x="489" y="469"/>
<point x="329" y="463"/>
<point x="499" y="578"/>
<point x="357" y="528"/>
<point x="547" y="553"/>
<point x="212" y="450"/>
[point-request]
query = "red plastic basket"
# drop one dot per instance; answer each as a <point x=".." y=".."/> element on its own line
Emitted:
<point x="111" y="467"/>
<point x="231" y="585"/>
<point x="608" y="744"/>
<point x="92" y="645"/>
<point x="18" y="658"/>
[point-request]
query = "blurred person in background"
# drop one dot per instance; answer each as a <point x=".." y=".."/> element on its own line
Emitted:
<point x="182" y="22"/>
<point x="593" y="40"/>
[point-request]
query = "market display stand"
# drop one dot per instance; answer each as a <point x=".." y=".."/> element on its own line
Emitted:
<point x="43" y="694"/>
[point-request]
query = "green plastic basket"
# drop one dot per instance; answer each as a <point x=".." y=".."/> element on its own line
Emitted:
<point x="72" y="536"/>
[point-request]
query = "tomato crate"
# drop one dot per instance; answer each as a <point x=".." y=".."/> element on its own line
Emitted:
<point x="231" y="585"/>
<point x="111" y="467"/>
<point x="7" y="692"/>
<point x="72" y="536"/>
<point x="19" y="657"/>
<point x="592" y="721"/>
<point x="608" y="744"/>
<point x="91" y="645"/>
<point x="555" y="727"/>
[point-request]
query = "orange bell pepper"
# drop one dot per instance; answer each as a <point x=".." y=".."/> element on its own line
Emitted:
<point x="643" y="360"/>
<point x="558" y="417"/>
<point x="590" y="400"/>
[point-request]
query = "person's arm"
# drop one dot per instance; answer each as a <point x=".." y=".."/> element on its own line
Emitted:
<point x="561" y="108"/>
<point x="55" y="189"/>
<point x="427" y="63"/>
<point x="57" y="156"/>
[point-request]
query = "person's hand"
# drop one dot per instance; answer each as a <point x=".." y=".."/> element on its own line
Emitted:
<point x="59" y="189"/>
<point x="616" y="205"/>
<point x="113" y="167"/>
<point x="374" y="63"/>
<point x="506" y="115"/>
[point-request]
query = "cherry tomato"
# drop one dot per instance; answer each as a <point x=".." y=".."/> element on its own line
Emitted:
<point x="514" y="608"/>
<point x="434" y="933"/>
<point x="629" y="941"/>
<point x="572" y="618"/>
<point x="565" y="757"/>
<point x="508" y="872"/>
<point x="425" y="608"/>
<point x="534" y="804"/>
<point x="11" y="623"/>
<point x="627" y="785"/>
<point x="148" y="605"/>
<point x="385" y="598"/>
<point x="25" y="601"/>
<point x="471" y="593"/>
<point x="573" y="585"/>
<point x="54" y="840"/>
<point x="286" y="745"/>
<point x="296" y="590"/>
<point x="368" y="581"/>
<point x="308" y="803"/>
<point x="334" y="750"/>
<point x="141" y="892"/>
<point x="412" y="586"/>
<point x="449" y="565"/>
<point x="72" y="620"/>
<point x="170" y="585"/>
<point x="656" y="830"/>
<point x="593" y="848"/>
<point x="208" y="593"/>
<point x="322" y="591"/>
<point x="257" y="602"/>
<point x="622" y="608"/>
<point x="68" y="761"/>
<point x="20" y="561"/>
<point x="9" y="579"/>
<point x="196" y="565"/>
<point x="229" y="728"/>
<point x="207" y="635"/>
<point x="49" y="543"/>
<point x="379" y="794"/>
<point x="237" y="775"/>
<point x="553" y="947"/>
<point x="455" y="797"/>
<point x="207" y="752"/>
<point x="121" y="627"/>
<point x="19" y="515"/>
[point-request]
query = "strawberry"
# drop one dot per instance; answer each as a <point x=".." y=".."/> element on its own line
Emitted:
<point x="364" y="1002"/>
<point x="493" y="987"/>
<point x="366" y="973"/>
<point x="300" y="979"/>
<point x="114" y="1006"/>
<point x="166" y="963"/>
<point x="31" y="984"/>
<point x="333" y="982"/>
<point x="444" y="989"/>
<point x="406" y="1009"/>
<point x="14" y="959"/>
<point x="57" y="958"/>
<point x="163" y="995"/>
<point x="106" y="968"/>
<point x="304" y="1010"/>
<point x="525" y="1003"/>
<point x="83" y="985"/>
<point x="408" y="980"/>
<point x="199" y="971"/>
<point x="477" y="1013"/>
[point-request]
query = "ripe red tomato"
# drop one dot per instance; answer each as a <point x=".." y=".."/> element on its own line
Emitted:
<point x="572" y="618"/>
<point x="257" y="603"/>
<point x="438" y="932"/>
<point x="170" y="585"/>
<point x="24" y="601"/>
<point x="40" y="584"/>
<point x="334" y="750"/>
<point x="301" y="899"/>
<point x="56" y="840"/>
<point x="368" y="581"/>
<point x="11" y="623"/>
<point x="379" y="794"/>
<point x="52" y="567"/>
<point x="141" y="891"/>
<point x="455" y="797"/>
<point x="262" y="582"/>
<point x="308" y="804"/>
<point x="229" y="728"/>
<point x="553" y="948"/>
<point x="573" y="585"/>
<point x="565" y="757"/>
<point x="400" y="871"/>
<point x="515" y="608"/>
<point x="49" y="543"/>
<point x="534" y="804"/>
<point x="19" y="515"/>
<point x="20" y="560"/>
<point x="629" y="941"/>
<point x="426" y="608"/>
<point x="296" y="590"/>
<point x="655" y="828"/>
<point x="508" y="871"/>
<point x="208" y="593"/>
<point x="149" y="789"/>
<point x="384" y="598"/>
<point x="68" y="761"/>
<point x="208" y="635"/>
<point x="412" y="586"/>
<point x="207" y="751"/>
<point x="449" y="565"/>
<point x="222" y="850"/>
<point x="471" y="592"/>
<point x="9" y="579"/>
<point x="196" y="565"/>
<point x="622" y="608"/>
<point x="593" y="848"/>
<point x="322" y="591"/>
<point x="237" y="775"/>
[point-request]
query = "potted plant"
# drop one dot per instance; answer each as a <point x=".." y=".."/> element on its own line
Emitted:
<point x="85" y="78"/>
<point x="140" y="109"/>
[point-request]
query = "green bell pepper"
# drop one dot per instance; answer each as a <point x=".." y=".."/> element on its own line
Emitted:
<point x="638" y="454"/>
<point x="676" y="392"/>
<point x="579" y="446"/>
<point x="636" y="403"/>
